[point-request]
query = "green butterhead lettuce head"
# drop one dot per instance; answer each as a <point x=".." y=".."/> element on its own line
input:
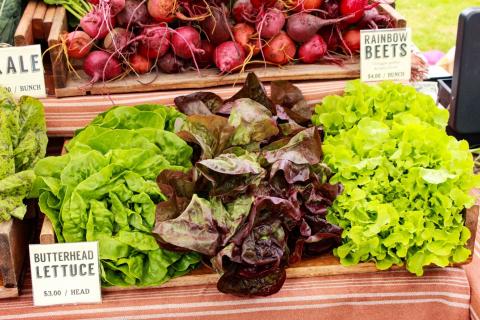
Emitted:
<point x="406" y="182"/>
<point x="23" y="141"/>
<point x="104" y="190"/>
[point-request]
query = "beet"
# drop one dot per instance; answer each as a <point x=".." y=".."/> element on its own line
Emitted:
<point x="301" y="27"/>
<point x="117" y="40"/>
<point x="217" y="26"/>
<point x="205" y="58"/>
<point x="243" y="34"/>
<point x="162" y="10"/>
<point x="271" y="23"/>
<point x="101" y="66"/>
<point x="280" y="49"/>
<point x="305" y="5"/>
<point x="96" y="24"/>
<point x="313" y="50"/>
<point x="170" y="63"/>
<point x="243" y="11"/>
<point x="155" y="42"/>
<point x="116" y="6"/>
<point x="139" y="63"/>
<point x="78" y="44"/>
<point x="229" y="56"/>
<point x="354" y="9"/>
<point x="351" y="38"/>
<point x="186" y="42"/>
<point x="134" y="14"/>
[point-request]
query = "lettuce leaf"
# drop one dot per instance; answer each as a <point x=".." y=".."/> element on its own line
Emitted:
<point x="406" y="182"/>
<point x="104" y="190"/>
<point x="23" y="142"/>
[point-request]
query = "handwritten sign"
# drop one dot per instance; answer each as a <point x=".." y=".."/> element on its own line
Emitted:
<point x="385" y="54"/>
<point x="21" y="71"/>
<point x="65" y="273"/>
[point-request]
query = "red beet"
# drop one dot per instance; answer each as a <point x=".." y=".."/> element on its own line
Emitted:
<point x="303" y="26"/>
<point x="243" y="10"/>
<point x="96" y="24"/>
<point x="186" y="42"/>
<point x="101" y="66"/>
<point x="313" y="50"/>
<point x="205" y="58"/>
<point x="133" y="14"/>
<point x="229" y="56"/>
<point x="352" y="40"/>
<point x="271" y="23"/>
<point x="155" y="42"/>
<point x="170" y="63"/>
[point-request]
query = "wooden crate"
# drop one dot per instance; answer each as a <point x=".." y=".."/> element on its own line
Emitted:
<point x="15" y="236"/>
<point x="34" y="28"/>
<point x="324" y="265"/>
<point x="69" y="85"/>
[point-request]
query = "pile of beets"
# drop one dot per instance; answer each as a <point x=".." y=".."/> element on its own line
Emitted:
<point x="140" y="36"/>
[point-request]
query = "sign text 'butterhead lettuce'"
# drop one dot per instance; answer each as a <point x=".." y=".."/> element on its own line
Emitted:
<point x="65" y="273"/>
<point x="385" y="54"/>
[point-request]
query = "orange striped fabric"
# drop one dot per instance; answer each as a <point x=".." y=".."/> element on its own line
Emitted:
<point x="65" y="115"/>
<point x="440" y="294"/>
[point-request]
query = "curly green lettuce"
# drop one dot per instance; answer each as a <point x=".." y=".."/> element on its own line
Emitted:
<point x="406" y="182"/>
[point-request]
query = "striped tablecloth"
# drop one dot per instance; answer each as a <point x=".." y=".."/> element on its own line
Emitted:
<point x="450" y="293"/>
<point x="441" y="294"/>
<point x="65" y="115"/>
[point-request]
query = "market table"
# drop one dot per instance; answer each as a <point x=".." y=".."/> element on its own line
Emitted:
<point x="450" y="293"/>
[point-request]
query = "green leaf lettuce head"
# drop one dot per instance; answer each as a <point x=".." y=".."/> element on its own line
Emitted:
<point x="23" y="141"/>
<point x="104" y="190"/>
<point x="406" y="182"/>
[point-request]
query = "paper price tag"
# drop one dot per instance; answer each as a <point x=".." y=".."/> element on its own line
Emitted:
<point x="385" y="54"/>
<point x="21" y="71"/>
<point x="65" y="273"/>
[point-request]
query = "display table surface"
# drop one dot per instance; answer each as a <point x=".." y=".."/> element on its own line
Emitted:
<point x="440" y="294"/>
<point x="450" y="293"/>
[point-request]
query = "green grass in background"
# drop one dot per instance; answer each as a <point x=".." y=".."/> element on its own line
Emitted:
<point x="434" y="22"/>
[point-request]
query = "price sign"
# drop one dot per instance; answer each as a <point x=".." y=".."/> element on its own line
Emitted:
<point x="385" y="54"/>
<point x="21" y="71"/>
<point x="65" y="273"/>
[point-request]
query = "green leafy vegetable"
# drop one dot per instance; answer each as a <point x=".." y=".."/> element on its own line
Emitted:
<point x="104" y="190"/>
<point x="406" y="182"/>
<point x="23" y="141"/>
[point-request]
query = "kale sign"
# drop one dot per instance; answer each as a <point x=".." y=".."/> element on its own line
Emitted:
<point x="21" y="71"/>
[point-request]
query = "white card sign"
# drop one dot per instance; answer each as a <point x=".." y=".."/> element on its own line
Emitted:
<point x="21" y="71"/>
<point x="65" y="273"/>
<point x="385" y="54"/>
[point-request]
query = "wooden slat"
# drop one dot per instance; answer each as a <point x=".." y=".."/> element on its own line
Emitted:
<point x="37" y="21"/>
<point x="14" y="238"/>
<point x="399" y="20"/>
<point x="48" y="20"/>
<point x="24" y="32"/>
<point x="324" y="265"/>
<point x="207" y="78"/>
<point x="47" y="235"/>
<point x="59" y="25"/>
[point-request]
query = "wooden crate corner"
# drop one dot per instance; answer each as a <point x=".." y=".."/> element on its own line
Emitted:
<point x="15" y="235"/>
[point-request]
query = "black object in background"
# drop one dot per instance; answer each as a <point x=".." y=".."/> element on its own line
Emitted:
<point x="465" y="86"/>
